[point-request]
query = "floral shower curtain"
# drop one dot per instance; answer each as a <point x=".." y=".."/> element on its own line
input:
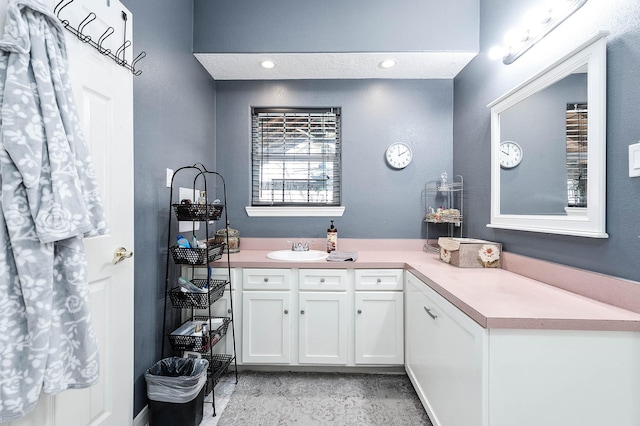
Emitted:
<point x="49" y="201"/>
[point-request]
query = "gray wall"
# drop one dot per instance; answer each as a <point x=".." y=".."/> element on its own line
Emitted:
<point x="174" y="125"/>
<point x="538" y="124"/>
<point x="380" y="202"/>
<point x="246" y="26"/>
<point x="484" y="80"/>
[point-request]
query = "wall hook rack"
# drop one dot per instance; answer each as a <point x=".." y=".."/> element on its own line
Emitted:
<point x="79" y="32"/>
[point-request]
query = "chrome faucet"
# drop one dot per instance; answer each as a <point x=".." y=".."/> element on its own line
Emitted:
<point x="298" y="246"/>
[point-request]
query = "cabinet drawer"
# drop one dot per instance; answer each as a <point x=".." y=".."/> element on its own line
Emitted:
<point x="322" y="279"/>
<point x="379" y="279"/>
<point x="266" y="279"/>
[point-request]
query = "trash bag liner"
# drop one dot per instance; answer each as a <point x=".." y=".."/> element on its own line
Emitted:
<point x="175" y="379"/>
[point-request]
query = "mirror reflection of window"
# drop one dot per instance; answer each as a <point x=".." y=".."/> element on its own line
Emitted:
<point x="577" y="131"/>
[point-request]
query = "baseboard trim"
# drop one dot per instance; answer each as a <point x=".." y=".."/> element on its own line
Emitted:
<point x="390" y="369"/>
<point x="142" y="419"/>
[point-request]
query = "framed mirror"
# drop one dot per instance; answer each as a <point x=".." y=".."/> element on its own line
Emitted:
<point x="548" y="148"/>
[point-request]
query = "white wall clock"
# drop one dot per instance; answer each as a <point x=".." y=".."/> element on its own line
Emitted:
<point x="398" y="155"/>
<point x="510" y="154"/>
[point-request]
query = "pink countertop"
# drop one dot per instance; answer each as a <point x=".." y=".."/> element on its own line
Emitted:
<point x="494" y="298"/>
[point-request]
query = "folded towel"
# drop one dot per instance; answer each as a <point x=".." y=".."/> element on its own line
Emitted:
<point x="343" y="256"/>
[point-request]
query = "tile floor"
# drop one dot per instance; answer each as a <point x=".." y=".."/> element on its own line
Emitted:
<point x="224" y="389"/>
<point x="376" y="400"/>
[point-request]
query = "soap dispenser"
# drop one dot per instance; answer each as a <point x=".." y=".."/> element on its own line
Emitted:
<point x="332" y="238"/>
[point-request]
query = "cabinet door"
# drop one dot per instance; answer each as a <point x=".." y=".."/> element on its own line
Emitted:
<point x="266" y="327"/>
<point x="379" y="327"/>
<point x="446" y="357"/>
<point x="322" y="328"/>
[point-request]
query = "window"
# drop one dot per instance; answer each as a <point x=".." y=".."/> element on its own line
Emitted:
<point x="295" y="157"/>
<point x="577" y="154"/>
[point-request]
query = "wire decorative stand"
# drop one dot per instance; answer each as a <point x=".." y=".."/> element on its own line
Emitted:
<point x="444" y="209"/>
<point x="118" y="56"/>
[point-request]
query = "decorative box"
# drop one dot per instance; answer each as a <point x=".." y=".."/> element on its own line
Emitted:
<point x="470" y="253"/>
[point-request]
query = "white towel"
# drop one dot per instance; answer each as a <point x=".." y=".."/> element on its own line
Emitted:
<point x="343" y="256"/>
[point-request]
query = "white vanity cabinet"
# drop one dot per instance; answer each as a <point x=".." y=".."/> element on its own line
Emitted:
<point x="266" y="316"/>
<point x="468" y="375"/>
<point x="305" y="316"/>
<point x="445" y="357"/>
<point x="379" y="317"/>
<point x="322" y="319"/>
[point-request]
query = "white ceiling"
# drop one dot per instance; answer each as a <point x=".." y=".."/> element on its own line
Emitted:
<point x="301" y="66"/>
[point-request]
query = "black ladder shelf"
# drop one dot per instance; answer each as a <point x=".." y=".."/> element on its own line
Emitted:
<point x="196" y="307"/>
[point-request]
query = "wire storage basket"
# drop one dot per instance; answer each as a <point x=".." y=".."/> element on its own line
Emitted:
<point x="186" y="299"/>
<point x="184" y="339"/>
<point x="198" y="212"/>
<point x="197" y="256"/>
<point x="218" y="364"/>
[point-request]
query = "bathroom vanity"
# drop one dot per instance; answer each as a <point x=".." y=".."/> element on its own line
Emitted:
<point x="484" y="347"/>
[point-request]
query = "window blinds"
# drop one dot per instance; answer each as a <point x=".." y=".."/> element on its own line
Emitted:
<point x="577" y="146"/>
<point x="296" y="156"/>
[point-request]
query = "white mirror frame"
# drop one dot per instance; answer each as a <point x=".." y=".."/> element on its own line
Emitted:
<point x="593" y="224"/>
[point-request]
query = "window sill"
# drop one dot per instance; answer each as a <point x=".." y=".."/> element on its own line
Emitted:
<point x="335" y="211"/>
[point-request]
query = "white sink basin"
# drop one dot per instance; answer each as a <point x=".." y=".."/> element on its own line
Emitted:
<point x="298" y="256"/>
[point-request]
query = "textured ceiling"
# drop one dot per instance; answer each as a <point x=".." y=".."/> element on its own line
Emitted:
<point x="301" y="66"/>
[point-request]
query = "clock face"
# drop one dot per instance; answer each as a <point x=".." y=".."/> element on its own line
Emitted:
<point x="398" y="155"/>
<point x="510" y="154"/>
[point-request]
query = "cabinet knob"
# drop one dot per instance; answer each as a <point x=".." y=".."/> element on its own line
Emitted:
<point x="321" y="280"/>
<point x="359" y="311"/>
<point x="286" y="311"/>
<point x="228" y="311"/>
<point x="302" y="312"/>
<point x="266" y="280"/>
<point x="379" y="280"/>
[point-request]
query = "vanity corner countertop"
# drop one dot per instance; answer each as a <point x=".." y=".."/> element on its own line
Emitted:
<point x="494" y="298"/>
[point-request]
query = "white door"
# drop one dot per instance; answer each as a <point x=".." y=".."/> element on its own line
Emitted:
<point x="104" y="97"/>
<point x="322" y="324"/>
<point x="379" y="326"/>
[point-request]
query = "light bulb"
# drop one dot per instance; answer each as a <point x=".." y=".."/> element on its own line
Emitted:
<point x="387" y="63"/>
<point x="512" y="37"/>
<point x="267" y="64"/>
<point x="496" y="52"/>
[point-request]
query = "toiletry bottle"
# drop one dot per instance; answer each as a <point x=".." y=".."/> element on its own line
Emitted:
<point x="183" y="242"/>
<point x="332" y="238"/>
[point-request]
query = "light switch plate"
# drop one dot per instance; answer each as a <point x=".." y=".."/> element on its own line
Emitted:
<point x="169" y="177"/>
<point x="634" y="160"/>
<point x="187" y="194"/>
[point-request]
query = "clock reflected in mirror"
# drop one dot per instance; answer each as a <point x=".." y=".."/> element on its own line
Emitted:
<point x="398" y="155"/>
<point x="510" y="154"/>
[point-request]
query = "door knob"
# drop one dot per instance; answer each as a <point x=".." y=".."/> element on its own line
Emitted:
<point x="121" y="254"/>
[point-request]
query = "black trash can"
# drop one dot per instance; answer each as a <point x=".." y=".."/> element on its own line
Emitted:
<point x="175" y="388"/>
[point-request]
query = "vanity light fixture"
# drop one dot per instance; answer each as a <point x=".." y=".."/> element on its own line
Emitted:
<point x="387" y="63"/>
<point x="538" y="25"/>
<point x="267" y="64"/>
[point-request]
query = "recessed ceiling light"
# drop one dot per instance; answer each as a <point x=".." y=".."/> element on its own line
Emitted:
<point x="388" y="63"/>
<point x="267" y="64"/>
